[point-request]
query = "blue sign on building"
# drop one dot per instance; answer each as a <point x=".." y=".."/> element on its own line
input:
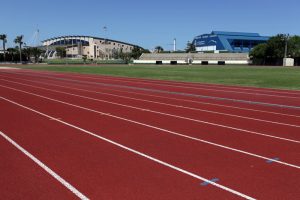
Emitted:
<point x="228" y="41"/>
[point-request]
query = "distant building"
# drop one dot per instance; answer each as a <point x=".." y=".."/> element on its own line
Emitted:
<point x="235" y="42"/>
<point x="91" y="47"/>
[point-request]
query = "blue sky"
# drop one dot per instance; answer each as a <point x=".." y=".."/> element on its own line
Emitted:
<point x="147" y="23"/>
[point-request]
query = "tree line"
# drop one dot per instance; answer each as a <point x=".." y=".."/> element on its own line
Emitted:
<point x="273" y="52"/>
<point x="19" y="53"/>
<point x="190" y="48"/>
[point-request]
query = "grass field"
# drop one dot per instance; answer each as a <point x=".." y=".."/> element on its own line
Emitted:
<point x="271" y="77"/>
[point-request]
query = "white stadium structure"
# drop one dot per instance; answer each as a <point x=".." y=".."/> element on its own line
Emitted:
<point x="194" y="58"/>
<point x="91" y="47"/>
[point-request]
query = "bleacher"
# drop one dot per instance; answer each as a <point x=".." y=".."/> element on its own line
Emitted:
<point x="193" y="58"/>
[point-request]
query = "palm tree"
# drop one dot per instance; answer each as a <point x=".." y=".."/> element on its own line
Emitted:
<point x="4" y="40"/>
<point x="190" y="47"/>
<point x="19" y="41"/>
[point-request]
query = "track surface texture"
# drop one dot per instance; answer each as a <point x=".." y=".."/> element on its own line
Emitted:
<point x="70" y="136"/>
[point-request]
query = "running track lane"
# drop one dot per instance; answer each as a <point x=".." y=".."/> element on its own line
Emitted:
<point x="236" y="122"/>
<point x="173" y="102"/>
<point x="21" y="178"/>
<point x="268" y="147"/>
<point x="221" y="93"/>
<point x="191" y="106"/>
<point x="100" y="169"/>
<point x="183" y="96"/>
<point x="266" y="91"/>
<point x="243" y="163"/>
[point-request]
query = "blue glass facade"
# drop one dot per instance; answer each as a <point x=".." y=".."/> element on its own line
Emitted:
<point x="70" y="42"/>
<point x="228" y="41"/>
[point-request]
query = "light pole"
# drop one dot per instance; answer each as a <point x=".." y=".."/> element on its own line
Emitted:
<point x="105" y="42"/>
<point x="286" y="45"/>
<point x="287" y="62"/>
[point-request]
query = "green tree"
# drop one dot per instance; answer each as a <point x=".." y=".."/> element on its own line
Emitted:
<point x="35" y="53"/>
<point x="294" y="46"/>
<point x="19" y="40"/>
<point x="138" y="51"/>
<point x="84" y="58"/>
<point x="3" y="37"/>
<point x="12" y="53"/>
<point x="276" y="46"/>
<point x="274" y="50"/>
<point x="158" y="49"/>
<point x="61" y="52"/>
<point x="27" y="53"/>
<point x="190" y="47"/>
<point x="258" y="54"/>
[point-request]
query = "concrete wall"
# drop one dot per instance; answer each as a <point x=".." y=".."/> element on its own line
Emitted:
<point x="195" y="62"/>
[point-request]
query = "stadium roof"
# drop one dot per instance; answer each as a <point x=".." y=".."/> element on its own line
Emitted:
<point x="98" y="38"/>
<point x="235" y="33"/>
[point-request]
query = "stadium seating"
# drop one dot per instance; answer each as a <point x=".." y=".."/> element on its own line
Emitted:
<point x="194" y="58"/>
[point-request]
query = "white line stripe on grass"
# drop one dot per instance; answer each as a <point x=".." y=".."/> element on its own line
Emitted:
<point x="45" y="167"/>
<point x="136" y="152"/>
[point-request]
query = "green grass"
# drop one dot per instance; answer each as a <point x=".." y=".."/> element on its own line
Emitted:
<point x="269" y="77"/>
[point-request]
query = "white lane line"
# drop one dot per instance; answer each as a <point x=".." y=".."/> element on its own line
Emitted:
<point x="174" y="82"/>
<point x="170" y="92"/>
<point x="196" y="88"/>
<point x="149" y="101"/>
<point x="166" y="114"/>
<point x="191" y="84"/>
<point x="176" y="99"/>
<point x="135" y="152"/>
<point x="157" y="128"/>
<point x="204" y="103"/>
<point x="44" y="167"/>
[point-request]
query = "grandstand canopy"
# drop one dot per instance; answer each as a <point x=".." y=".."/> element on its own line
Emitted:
<point x="228" y="41"/>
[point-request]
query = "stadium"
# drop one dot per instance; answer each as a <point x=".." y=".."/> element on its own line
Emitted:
<point x="237" y="42"/>
<point x="217" y="48"/>
<point x="91" y="47"/>
<point x="194" y="58"/>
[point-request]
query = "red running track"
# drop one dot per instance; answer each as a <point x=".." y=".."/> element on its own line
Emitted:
<point x="127" y="143"/>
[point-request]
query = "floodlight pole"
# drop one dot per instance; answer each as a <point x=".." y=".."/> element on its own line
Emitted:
<point x="174" y="45"/>
<point x="286" y="45"/>
<point x="105" y="42"/>
<point x="72" y="48"/>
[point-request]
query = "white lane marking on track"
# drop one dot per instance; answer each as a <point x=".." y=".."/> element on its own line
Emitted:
<point x="157" y="128"/>
<point x="45" y="167"/>
<point x="221" y="105"/>
<point x="135" y="151"/>
<point x="204" y="103"/>
<point x="193" y="84"/>
<point x="156" y="82"/>
<point x="167" y="114"/>
<point x="197" y="88"/>
<point x="149" y="101"/>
